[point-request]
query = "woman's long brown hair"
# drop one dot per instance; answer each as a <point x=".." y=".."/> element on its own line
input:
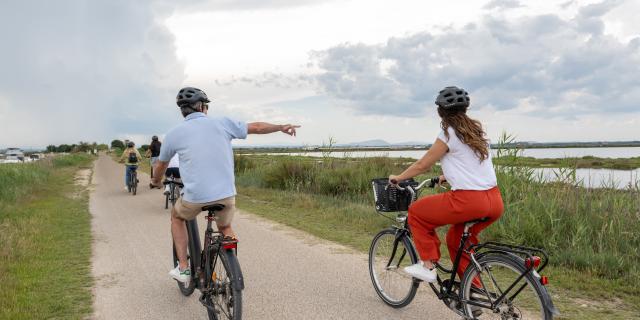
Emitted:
<point x="468" y="130"/>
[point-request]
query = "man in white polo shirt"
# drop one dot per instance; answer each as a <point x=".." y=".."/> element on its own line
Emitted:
<point x="206" y="166"/>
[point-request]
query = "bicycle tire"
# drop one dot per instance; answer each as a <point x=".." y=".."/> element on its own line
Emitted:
<point x="234" y="287"/>
<point x="533" y="290"/>
<point x="409" y="285"/>
<point x="185" y="290"/>
<point x="174" y="196"/>
<point x="134" y="182"/>
<point x="166" y="201"/>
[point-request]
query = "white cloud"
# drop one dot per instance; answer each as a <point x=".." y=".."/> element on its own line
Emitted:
<point x="102" y="69"/>
<point x="564" y="66"/>
<point x="88" y="71"/>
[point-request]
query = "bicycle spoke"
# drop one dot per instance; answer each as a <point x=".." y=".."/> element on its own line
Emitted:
<point x="493" y="282"/>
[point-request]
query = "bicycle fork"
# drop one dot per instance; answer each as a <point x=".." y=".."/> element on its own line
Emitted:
<point x="399" y="236"/>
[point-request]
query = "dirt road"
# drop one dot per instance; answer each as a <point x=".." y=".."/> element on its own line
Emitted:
<point x="288" y="274"/>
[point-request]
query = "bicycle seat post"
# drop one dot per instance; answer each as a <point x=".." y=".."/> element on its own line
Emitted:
<point x="211" y="213"/>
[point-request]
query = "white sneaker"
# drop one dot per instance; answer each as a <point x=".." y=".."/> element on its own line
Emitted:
<point x="126" y="188"/>
<point x="183" y="276"/>
<point x="419" y="271"/>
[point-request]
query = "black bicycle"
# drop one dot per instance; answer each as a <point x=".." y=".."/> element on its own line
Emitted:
<point x="132" y="184"/>
<point x="502" y="281"/>
<point x="215" y="270"/>
<point x="174" y="191"/>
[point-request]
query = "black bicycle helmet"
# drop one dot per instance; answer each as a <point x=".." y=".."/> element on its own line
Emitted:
<point x="154" y="138"/>
<point x="130" y="144"/>
<point x="188" y="96"/>
<point x="451" y="97"/>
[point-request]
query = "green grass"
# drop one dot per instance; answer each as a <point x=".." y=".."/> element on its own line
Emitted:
<point x="591" y="234"/>
<point x="579" y="163"/>
<point x="45" y="234"/>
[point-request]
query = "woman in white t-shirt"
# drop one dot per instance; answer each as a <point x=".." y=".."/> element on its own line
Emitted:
<point x="463" y="152"/>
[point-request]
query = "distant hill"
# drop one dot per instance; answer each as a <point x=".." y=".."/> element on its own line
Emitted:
<point x="368" y="143"/>
<point x="381" y="143"/>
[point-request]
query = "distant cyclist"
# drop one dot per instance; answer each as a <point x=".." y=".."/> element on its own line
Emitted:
<point x="206" y="166"/>
<point x="463" y="152"/>
<point x="153" y="152"/>
<point x="173" y="171"/>
<point x="133" y="158"/>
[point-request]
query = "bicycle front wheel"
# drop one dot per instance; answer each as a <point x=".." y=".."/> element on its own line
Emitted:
<point x="175" y="193"/>
<point x="224" y="286"/>
<point x="166" y="201"/>
<point x="186" y="290"/>
<point x="388" y="255"/>
<point x="528" y="299"/>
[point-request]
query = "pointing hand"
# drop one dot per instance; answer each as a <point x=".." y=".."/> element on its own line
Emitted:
<point x="290" y="129"/>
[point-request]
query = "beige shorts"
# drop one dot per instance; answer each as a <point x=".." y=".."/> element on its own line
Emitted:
<point x="188" y="211"/>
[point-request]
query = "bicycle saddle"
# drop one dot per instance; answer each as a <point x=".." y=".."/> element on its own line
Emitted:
<point x="472" y="222"/>
<point x="213" y="207"/>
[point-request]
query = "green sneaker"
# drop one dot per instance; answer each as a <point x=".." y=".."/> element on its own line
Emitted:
<point x="183" y="276"/>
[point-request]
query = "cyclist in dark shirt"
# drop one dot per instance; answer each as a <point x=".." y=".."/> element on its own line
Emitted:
<point x="154" y="151"/>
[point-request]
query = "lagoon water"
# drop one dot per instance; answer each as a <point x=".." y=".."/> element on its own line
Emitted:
<point x="538" y="153"/>
<point x="592" y="178"/>
<point x="597" y="178"/>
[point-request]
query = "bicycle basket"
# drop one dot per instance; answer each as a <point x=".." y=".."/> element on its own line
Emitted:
<point x="388" y="198"/>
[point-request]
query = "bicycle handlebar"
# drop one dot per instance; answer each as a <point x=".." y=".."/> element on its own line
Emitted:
<point x="431" y="183"/>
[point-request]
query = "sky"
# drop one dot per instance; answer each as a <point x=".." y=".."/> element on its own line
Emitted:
<point x="347" y="70"/>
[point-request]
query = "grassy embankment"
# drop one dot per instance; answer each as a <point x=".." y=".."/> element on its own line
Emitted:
<point x="45" y="237"/>
<point x="578" y="163"/>
<point x="591" y="234"/>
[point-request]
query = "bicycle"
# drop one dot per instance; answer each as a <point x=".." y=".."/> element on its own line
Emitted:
<point x="215" y="270"/>
<point x="504" y="272"/>
<point x="132" y="184"/>
<point x="174" y="191"/>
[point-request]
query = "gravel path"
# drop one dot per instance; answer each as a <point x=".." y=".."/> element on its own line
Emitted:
<point x="288" y="274"/>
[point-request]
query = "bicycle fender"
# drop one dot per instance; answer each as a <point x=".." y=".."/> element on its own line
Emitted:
<point x="238" y="280"/>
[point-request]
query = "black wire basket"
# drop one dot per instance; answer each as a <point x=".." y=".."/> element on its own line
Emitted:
<point x="391" y="199"/>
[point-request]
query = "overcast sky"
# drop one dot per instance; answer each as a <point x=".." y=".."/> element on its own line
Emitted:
<point x="353" y="70"/>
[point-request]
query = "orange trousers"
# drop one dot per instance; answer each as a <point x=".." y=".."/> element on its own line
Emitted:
<point x="453" y="207"/>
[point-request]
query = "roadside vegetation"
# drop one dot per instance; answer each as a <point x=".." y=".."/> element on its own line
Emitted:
<point x="45" y="237"/>
<point x="591" y="234"/>
<point x="577" y="163"/>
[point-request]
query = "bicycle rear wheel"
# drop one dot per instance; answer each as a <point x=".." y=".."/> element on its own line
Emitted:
<point x="224" y="285"/>
<point x="388" y="255"/>
<point x="134" y="182"/>
<point x="498" y="272"/>
<point x="185" y="290"/>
